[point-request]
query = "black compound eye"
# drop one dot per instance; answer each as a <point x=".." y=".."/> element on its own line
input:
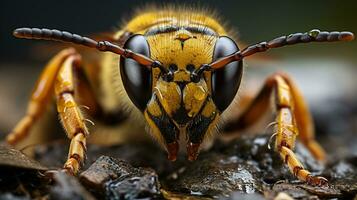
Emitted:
<point x="136" y="78"/>
<point x="226" y="80"/>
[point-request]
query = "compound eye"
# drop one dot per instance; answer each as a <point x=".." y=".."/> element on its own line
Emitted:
<point x="226" y="80"/>
<point x="136" y="78"/>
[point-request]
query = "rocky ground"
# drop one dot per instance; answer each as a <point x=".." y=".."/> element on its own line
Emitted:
<point x="243" y="169"/>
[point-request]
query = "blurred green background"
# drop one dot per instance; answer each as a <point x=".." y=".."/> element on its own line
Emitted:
<point x="325" y="72"/>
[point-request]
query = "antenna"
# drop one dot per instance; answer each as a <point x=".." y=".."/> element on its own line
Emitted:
<point x="297" y="38"/>
<point x="64" y="36"/>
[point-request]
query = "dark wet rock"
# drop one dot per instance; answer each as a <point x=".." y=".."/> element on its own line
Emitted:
<point x="103" y="170"/>
<point x="242" y="196"/>
<point x="19" y="181"/>
<point x="341" y="169"/>
<point x="343" y="176"/>
<point x="9" y="196"/>
<point x="53" y="155"/>
<point x="67" y="187"/>
<point x="181" y="196"/>
<point x="20" y="176"/>
<point x="293" y="190"/>
<point x="138" y="155"/>
<point x="321" y="192"/>
<point x="22" y="184"/>
<point x="11" y="157"/>
<point x="215" y="175"/>
<point x="245" y="165"/>
<point x="141" y="185"/>
<point x="117" y="179"/>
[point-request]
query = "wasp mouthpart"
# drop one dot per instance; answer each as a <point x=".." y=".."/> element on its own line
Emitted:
<point x="172" y="149"/>
<point x="192" y="151"/>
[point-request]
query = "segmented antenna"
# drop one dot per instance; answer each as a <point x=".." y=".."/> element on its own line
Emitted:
<point x="297" y="38"/>
<point x="54" y="35"/>
<point x="63" y="36"/>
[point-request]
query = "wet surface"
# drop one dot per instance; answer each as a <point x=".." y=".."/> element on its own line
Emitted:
<point x="116" y="179"/>
<point x="10" y="157"/>
<point x="244" y="168"/>
<point x="67" y="187"/>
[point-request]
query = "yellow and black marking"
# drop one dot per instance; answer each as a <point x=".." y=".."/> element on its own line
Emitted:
<point x="182" y="41"/>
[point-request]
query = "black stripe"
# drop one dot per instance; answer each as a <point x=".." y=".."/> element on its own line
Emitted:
<point x="201" y="29"/>
<point x="167" y="128"/>
<point x="172" y="28"/>
<point x="161" y="29"/>
<point x="198" y="127"/>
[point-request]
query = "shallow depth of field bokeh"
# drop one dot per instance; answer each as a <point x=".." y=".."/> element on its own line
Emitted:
<point x="326" y="73"/>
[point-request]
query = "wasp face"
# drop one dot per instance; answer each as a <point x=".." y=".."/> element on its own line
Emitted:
<point x="181" y="107"/>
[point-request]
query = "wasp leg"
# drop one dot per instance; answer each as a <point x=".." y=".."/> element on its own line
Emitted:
<point x="291" y="111"/>
<point x="70" y="114"/>
<point x="302" y="116"/>
<point x="40" y="97"/>
<point x="304" y="121"/>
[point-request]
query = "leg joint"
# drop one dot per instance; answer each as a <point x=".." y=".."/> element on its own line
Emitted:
<point x="76" y="157"/>
<point x="67" y="91"/>
<point x="282" y="144"/>
<point x="296" y="170"/>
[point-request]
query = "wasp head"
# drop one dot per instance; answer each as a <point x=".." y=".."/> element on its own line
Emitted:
<point x="175" y="101"/>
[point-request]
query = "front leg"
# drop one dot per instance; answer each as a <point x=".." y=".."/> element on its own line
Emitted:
<point x="70" y="114"/>
<point x="292" y="118"/>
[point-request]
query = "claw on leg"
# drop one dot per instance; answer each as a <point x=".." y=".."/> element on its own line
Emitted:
<point x="317" y="180"/>
<point x="298" y="170"/>
<point x="76" y="155"/>
<point x="72" y="165"/>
